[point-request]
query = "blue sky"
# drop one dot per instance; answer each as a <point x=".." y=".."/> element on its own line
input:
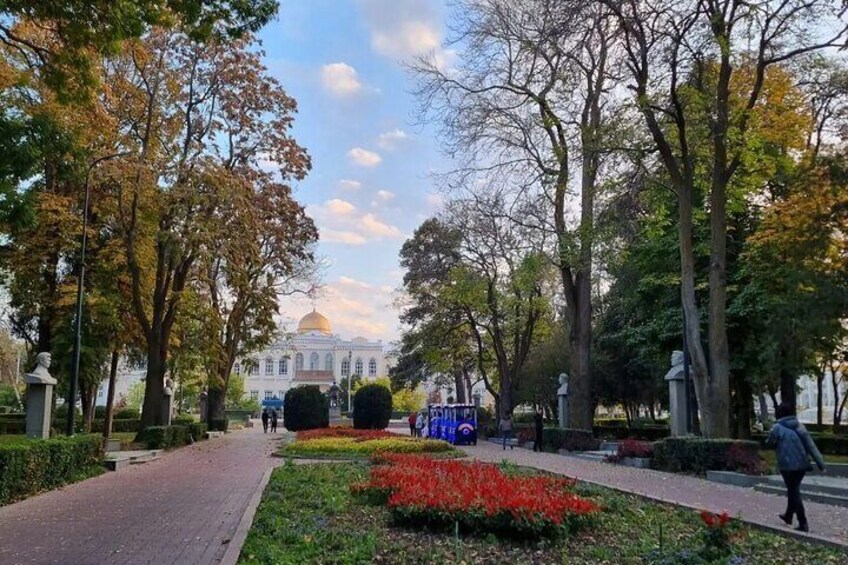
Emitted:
<point x="370" y="185"/>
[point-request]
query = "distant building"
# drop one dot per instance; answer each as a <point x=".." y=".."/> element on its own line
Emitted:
<point x="313" y="356"/>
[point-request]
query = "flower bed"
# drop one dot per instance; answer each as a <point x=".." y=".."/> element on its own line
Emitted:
<point x="359" y="435"/>
<point x="360" y="448"/>
<point x="479" y="497"/>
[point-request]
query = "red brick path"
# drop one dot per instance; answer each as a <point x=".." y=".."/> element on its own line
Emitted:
<point x="182" y="508"/>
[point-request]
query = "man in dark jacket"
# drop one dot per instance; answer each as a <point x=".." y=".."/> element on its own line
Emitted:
<point x="795" y="447"/>
<point x="265" y="418"/>
<point x="539" y="424"/>
<point x="273" y="421"/>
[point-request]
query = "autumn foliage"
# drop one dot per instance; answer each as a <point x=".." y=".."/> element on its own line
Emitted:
<point x="479" y="497"/>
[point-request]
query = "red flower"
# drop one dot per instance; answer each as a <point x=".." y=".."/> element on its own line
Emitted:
<point x="715" y="520"/>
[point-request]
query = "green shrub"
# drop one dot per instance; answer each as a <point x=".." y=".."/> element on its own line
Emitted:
<point x="306" y="408"/>
<point x="60" y="413"/>
<point x="127" y="414"/>
<point x="163" y="437"/>
<point x="100" y="413"/>
<point x="642" y="432"/>
<point x="198" y="430"/>
<point x="118" y="426"/>
<point x="701" y="455"/>
<point x="12" y="426"/>
<point x="219" y="424"/>
<point x="35" y="465"/>
<point x="372" y="407"/>
<point x="828" y="443"/>
<point x="185" y="420"/>
<point x="554" y="439"/>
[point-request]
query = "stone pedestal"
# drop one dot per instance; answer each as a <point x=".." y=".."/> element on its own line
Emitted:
<point x="166" y="410"/>
<point x="204" y="405"/>
<point x="39" y="409"/>
<point x="335" y="412"/>
<point x="678" y="403"/>
<point x="562" y="401"/>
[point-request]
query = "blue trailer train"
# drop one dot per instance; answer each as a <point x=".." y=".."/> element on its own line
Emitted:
<point x="453" y="423"/>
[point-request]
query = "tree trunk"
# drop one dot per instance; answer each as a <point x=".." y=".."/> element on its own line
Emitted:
<point x="788" y="392"/>
<point x="838" y="407"/>
<point x="87" y="397"/>
<point x="110" y="394"/>
<point x="819" y="398"/>
<point x="217" y="403"/>
<point x="581" y="407"/>
<point x="743" y="408"/>
<point x="459" y="385"/>
<point x="154" y="389"/>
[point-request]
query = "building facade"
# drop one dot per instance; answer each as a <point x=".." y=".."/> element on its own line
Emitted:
<point x="312" y="356"/>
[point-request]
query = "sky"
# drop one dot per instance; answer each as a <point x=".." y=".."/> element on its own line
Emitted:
<point x="371" y="180"/>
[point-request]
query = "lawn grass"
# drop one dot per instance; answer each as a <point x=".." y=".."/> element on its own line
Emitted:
<point x="307" y="515"/>
<point x="12" y="438"/>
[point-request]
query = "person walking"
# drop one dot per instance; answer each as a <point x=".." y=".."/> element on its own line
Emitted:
<point x="265" y="417"/>
<point x="506" y="429"/>
<point x="539" y="424"/>
<point x="419" y="425"/>
<point x="413" y="417"/>
<point x="795" y="447"/>
<point x="273" y="421"/>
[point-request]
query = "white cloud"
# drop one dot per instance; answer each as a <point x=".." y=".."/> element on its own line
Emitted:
<point x="385" y="195"/>
<point x="339" y="221"/>
<point x="391" y="139"/>
<point x="340" y="79"/>
<point x="402" y="29"/>
<point x="353" y="307"/>
<point x="363" y="157"/>
<point x="434" y="199"/>
<point x="373" y="226"/>
<point x="340" y="207"/>
<point x="347" y="184"/>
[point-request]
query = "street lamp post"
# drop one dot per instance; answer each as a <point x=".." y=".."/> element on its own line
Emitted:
<point x="72" y="393"/>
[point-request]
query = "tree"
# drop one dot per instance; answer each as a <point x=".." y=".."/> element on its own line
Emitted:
<point x="372" y="407"/>
<point x="676" y="49"/>
<point x="525" y="108"/>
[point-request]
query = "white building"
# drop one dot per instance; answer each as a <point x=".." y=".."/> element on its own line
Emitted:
<point x="314" y="356"/>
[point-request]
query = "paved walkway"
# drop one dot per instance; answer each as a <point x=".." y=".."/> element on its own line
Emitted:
<point x="182" y="508"/>
<point x="829" y="523"/>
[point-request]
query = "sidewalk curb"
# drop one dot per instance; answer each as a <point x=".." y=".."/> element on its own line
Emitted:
<point x="237" y="541"/>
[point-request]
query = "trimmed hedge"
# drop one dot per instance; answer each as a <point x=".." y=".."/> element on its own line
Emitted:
<point x="701" y="455"/>
<point x="118" y="426"/>
<point x="372" y="407"/>
<point x="554" y="439"/>
<point x="219" y="425"/>
<point x="828" y="444"/>
<point x="127" y="414"/>
<point x="163" y="437"/>
<point x="306" y="408"/>
<point x="621" y="432"/>
<point x="12" y="426"/>
<point x="32" y="466"/>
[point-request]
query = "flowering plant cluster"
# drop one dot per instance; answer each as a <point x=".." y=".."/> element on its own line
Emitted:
<point x="480" y="497"/>
<point x="360" y="447"/>
<point x="632" y="448"/>
<point x="717" y="536"/>
<point x="361" y="435"/>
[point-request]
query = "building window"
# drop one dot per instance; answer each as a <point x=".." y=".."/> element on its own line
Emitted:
<point x="254" y="395"/>
<point x="269" y="394"/>
<point x="328" y="362"/>
<point x="357" y="368"/>
<point x="345" y="367"/>
<point x="269" y="366"/>
<point x="314" y="360"/>
<point x="372" y="367"/>
<point x="238" y="368"/>
<point x="298" y="361"/>
<point x="281" y="394"/>
<point x="254" y="367"/>
<point x="283" y="366"/>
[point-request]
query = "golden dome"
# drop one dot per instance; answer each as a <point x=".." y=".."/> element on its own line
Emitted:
<point x="314" y="322"/>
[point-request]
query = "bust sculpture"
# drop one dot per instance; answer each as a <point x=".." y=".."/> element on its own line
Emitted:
<point x="676" y="371"/>
<point x="41" y="375"/>
<point x="563" y="385"/>
<point x="169" y="387"/>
